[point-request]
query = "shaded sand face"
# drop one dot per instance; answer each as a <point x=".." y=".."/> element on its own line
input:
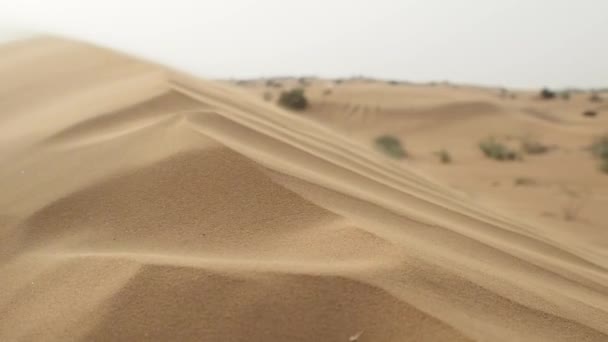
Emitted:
<point x="139" y="203"/>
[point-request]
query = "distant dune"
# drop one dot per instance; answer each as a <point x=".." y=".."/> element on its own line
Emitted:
<point x="139" y="203"/>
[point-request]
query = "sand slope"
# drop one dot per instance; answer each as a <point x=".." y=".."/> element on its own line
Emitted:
<point x="141" y="204"/>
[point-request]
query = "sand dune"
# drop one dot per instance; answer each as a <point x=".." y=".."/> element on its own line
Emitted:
<point x="139" y="203"/>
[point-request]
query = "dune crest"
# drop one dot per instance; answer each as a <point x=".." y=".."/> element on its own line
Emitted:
<point x="139" y="203"/>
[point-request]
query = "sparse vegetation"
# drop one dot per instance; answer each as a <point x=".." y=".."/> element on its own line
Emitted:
<point x="303" y="81"/>
<point x="565" y="95"/>
<point x="590" y="113"/>
<point x="600" y="150"/>
<point x="327" y="92"/>
<point x="294" y="99"/>
<point x="391" y="146"/>
<point x="505" y="93"/>
<point x="444" y="156"/>
<point x="531" y="146"/>
<point x="524" y="181"/>
<point x="547" y="94"/>
<point x="595" y="97"/>
<point x="604" y="166"/>
<point x="600" y="147"/>
<point x="497" y="151"/>
<point x="273" y="84"/>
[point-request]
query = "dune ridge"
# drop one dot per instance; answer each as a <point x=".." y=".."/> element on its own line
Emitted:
<point x="140" y="203"/>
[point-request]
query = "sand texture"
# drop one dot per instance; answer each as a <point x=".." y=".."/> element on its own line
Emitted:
<point x="138" y="203"/>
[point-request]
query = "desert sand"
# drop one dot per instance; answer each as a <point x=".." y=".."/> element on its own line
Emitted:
<point x="139" y="203"/>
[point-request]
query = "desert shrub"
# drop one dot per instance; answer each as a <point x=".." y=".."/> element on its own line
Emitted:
<point x="267" y="96"/>
<point x="391" y="146"/>
<point x="565" y="95"/>
<point x="327" y="92"/>
<point x="531" y="146"/>
<point x="547" y="94"/>
<point x="595" y="97"/>
<point x="600" y="147"/>
<point x="444" y="156"/>
<point x="303" y="82"/>
<point x="294" y="99"/>
<point x="600" y="150"/>
<point x="393" y="83"/>
<point x="273" y="84"/>
<point x="590" y="113"/>
<point x="604" y="166"/>
<point x="497" y="151"/>
<point x="524" y="181"/>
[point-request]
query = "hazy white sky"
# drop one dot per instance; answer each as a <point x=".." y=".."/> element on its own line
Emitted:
<point x="524" y="43"/>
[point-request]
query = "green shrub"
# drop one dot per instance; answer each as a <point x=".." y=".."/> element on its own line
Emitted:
<point x="391" y="146"/>
<point x="444" y="156"/>
<point x="294" y="99"/>
<point x="547" y="94"/>
<point x="497" y="151"/>
<point x="600" y="148"/>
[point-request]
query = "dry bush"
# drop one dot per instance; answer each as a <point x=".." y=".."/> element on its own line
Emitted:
<point x="532" y="146"/>
<point x="444" y="156"/>
<point x="497" y="151"/>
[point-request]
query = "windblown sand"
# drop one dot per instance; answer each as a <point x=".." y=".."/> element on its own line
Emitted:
<point x="138" y="203"/>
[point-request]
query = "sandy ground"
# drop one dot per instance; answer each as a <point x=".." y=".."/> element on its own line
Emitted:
<point x="139" y="203"/>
